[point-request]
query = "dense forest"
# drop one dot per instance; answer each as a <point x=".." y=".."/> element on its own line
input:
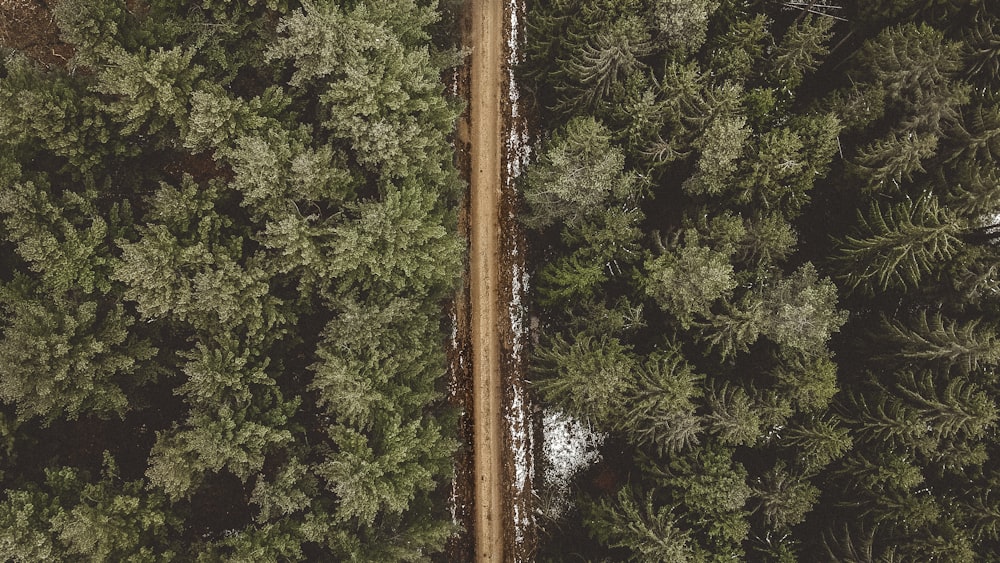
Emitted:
<point x="228" y="231"/>
<point x="765" y="268"/>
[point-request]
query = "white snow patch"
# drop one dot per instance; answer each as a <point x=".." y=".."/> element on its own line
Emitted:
<point x="453" y="380"/>
<point x="453" y="502"/>
<point x="569" y="446"/>
<point x="524" y="469"/>
<point x="516" y="308"/>
<point x="520" y="426"/>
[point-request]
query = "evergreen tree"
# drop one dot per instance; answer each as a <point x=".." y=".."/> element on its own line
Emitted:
<point x="965" y="345"/>
<point x="66" y="357"/>
<point x="687" y="282"/>
<point x="650" y="534"/>
<point x="585" y="377"/>
<point x="800" y="51"/>
<point x="659" y="404"/>
<point x="578" y="173"/>
<point x="682" y="25"/>
<point x="896" y="246"/>
<point x="598" y="64"/>
<point x="783" y="498"/>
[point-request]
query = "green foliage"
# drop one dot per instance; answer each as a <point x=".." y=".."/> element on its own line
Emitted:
<point x="687" y="282"/>
<point x="784" y="499"/>
<point x="569" y="278"/>
<point x="598" y="64"/>
<point x="398" y="243"/>
<point x="376" y="359"/>
<point x="585" y="377"/>
<point x="714" y="492"/>
<point x="73" y="518"/>
<point x="217" y="120"/>
<point x="382" y="92"/>
<point x="149" y="89"/>
<point x="290" y="491"/>
<point x="94" y="28"/>
<point x="913" y="66"/>
<point x="650" y="534"/>
<point x="225" y="438"/>
<point x="758" y="132"/>
<point x="798" y="313"/>
<point x="682" y="25"/>
<point x="383" y="473"/>
<point x="660" y="408"/>
<point x="733" y="416"/>
<point x="578" y="173"/>
<point x="735" y="52"/>
<point x="185" y="205"/>
<point x="719" y="147"/>
<point x="66" y="357"/>
<point x="800" y="51"/>
<point x="893" y="160"/>
<point x="65" y="242"/>
<point x="820" y="441"/>
<point x="897" y="245"/>
<point x="54" y="113"/>
<point x="965" y="345"/>
<point x="801" y="311"/>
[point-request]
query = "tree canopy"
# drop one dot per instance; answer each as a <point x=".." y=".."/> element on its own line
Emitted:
<point x="792" y="349"/>
<point x="228" y="231"/>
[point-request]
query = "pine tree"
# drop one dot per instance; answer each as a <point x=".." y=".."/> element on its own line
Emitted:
<point x="809" y="382"/>
<point x="960" y="407"/>
<point x="381" y="473"/>
<point x="291" y="490"/>
<point x="964" y="345"/>
<point x="719" y="147"/>
<point x="577" y="174"/>
<point x="377" y="359"/>
<point x="977" y="135"/>
<point x="732" y="415"/>
<point x="233" y="438"/>
<point x="67" y="357"/>
<point x="981" y="48"/>
<point x="660" y="408"/>
<point x="53" y="114"/>
<point x="914" y="66"/>
<point x="886" y="164"/>
<point x="736" y="51"/>
<point x="817" y="443"/>
<point x="395" y="244"/>
<point x="682" y="25"/>
<point x="647" y="532"/>
<point x="783" y="498"/>
<point x="63" y="238"/>
<point x="382" y="92"/>
<point x="800" y="51"/>
<point x="712" y="488"/>
<point x="898" y="245"/>
<point x="801" y="311"/>
<point x="598" y="64"/>
<point x="568" y="279"/>
<point x="687" y="282"/>
<point x="975" y="191"/>
<point x="585" y="377"/>
<point x="149" y="90"/>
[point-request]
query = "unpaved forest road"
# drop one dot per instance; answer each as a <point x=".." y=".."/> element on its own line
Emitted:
<point x="486" y="41"/>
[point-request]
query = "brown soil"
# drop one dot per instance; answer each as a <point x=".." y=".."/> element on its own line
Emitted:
<point x="27" y="26"/>
<point x="484" y="266"/>
<point x="492" y="491"/>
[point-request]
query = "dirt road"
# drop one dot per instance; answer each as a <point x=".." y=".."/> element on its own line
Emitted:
<point x="486" y="40"/>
